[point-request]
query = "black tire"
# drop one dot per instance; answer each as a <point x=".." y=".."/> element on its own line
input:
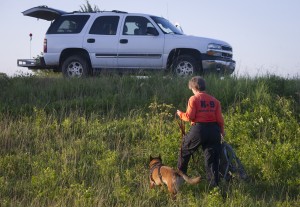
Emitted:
<point x="185" y="65"/>
<point x="75" y="67"/>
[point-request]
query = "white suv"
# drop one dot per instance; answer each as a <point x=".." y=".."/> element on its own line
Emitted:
<point x="79" y="44"/>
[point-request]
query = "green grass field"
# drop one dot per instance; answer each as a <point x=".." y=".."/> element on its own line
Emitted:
<point x="87" y="142"/>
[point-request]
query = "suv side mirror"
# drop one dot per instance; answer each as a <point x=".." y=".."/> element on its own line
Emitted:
<point x="178" y="26"/>
<point x="152" y="31"/>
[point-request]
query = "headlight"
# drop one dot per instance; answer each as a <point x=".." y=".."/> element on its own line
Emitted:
<point x="213" y="46"/>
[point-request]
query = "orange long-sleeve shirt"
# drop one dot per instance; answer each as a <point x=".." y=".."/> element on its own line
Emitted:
<point x="204" y="108"/>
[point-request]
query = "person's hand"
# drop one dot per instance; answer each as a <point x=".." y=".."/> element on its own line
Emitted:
<point x="179" y="112"/>
<point x="222" y="137"/>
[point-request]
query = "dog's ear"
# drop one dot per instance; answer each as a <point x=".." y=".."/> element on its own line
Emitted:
<point x="151" y="158"/>
<point x="159" y="157"/>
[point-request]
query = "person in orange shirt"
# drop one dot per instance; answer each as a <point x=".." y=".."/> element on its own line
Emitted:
<point x="205" y="114"/>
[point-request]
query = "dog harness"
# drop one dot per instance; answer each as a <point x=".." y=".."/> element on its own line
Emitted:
<point x="157" y="165"/>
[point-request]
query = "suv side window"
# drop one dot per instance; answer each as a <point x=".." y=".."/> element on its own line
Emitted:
<point x="105" y="25"/>
<point x="69" y="24"/>
<point x="137" y="25"/>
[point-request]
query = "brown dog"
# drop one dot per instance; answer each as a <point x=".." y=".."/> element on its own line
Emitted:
<point x="160" y="174"/>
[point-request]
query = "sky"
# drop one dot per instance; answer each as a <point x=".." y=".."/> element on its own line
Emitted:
<point x="264" y="34"/>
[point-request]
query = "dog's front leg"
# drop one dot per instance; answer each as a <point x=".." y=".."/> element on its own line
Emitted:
<point x="152" y="184"/>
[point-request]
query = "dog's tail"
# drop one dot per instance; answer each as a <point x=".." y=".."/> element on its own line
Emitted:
<point x="188" y="179"/>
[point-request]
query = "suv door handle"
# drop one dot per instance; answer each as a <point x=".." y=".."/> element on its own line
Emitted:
<point x="123" y="41"/>
<point x="90" y="40"/>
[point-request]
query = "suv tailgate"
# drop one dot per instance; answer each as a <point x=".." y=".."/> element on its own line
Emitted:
<point x="43" y="12"/>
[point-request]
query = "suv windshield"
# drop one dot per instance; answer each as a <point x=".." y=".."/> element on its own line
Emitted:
<point x="69" y="24"/>
<point x="166" y="26"/>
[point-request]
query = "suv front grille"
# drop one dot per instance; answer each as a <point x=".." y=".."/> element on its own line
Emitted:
<point x="226" y="51"/>
<point x="226" y="55"/>
<point x="226" y="48"/>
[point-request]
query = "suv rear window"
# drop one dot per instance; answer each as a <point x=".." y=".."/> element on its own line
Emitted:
<point x="69" y="24"/>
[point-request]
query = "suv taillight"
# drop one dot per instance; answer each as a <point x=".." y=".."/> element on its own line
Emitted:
<point x="45" y="45"/>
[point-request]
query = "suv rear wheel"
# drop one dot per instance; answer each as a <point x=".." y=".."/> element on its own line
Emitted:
<point x="75" y="67"/>
<point x="185" y="65"/>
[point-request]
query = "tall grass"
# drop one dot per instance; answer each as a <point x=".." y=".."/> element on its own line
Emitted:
<point x="86" y="142"/>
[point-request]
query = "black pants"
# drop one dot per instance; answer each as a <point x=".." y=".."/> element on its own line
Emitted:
<point x="207" y="135"/>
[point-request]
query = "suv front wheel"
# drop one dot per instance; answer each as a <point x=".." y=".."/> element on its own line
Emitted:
<point x="185" y="65"/>
<point x="75" y="67"/>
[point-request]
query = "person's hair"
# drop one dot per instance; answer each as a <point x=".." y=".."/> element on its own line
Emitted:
<point x="197" y="83"/>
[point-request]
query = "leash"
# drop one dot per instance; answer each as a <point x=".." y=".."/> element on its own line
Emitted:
<point x="182" y="130"/>
<point x="181" y="125"/>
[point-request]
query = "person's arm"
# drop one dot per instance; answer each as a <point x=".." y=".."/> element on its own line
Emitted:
<point x="190" y="113"/>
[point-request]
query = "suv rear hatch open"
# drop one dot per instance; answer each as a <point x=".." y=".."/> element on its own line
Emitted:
<point x="40" y="12"/>
<point x="44" y="12"/>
